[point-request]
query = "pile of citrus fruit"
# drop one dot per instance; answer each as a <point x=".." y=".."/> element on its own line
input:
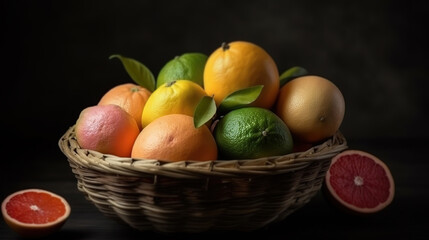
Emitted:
<point x="230" y="104"/>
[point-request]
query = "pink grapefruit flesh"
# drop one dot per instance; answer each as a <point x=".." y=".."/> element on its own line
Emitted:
<point x="35" y="212"/>
<point x="360" y="182"/>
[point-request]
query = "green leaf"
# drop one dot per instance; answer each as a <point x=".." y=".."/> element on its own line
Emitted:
<point x="204" y="111"/>
<point x="292" y="73"/>
<point x="240" y="98"/>
<point x="137" y="71"/>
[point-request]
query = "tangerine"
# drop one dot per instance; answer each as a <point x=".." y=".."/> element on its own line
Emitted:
<point x="131" y="97"/>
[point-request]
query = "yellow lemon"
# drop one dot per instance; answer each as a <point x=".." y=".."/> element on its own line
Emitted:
<point x="176" y="97"/>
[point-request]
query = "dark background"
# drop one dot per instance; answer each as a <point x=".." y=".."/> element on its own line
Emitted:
<point x="55" y="63"/>
<point x="55" y="54"/>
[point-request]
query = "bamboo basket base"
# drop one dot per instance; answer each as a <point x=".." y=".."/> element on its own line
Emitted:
<point x="192" y="197"/>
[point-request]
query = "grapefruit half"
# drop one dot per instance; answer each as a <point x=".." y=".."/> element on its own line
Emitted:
<point x="359" y="182"/>
<point x="35" y="212"/>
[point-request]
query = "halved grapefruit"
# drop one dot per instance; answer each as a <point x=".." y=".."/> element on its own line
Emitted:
<point x="35" y="212"/>
<point x="359" y="182"/>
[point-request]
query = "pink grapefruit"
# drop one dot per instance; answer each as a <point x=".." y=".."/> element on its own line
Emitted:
<point x="359" y="182"/>
<point x="35" y="212"/>
<point x="107" y="129"/>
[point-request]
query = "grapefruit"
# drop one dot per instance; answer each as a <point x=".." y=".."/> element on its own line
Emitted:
<point x="107" y="129"/>
<point x="359" y="182"/>
<point x="35" y="212"/>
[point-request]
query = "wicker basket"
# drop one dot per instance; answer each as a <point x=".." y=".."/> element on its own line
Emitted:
<point x="191" y="196"/>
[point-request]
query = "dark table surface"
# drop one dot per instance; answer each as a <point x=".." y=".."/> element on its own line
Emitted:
<point x="405" y="218"/>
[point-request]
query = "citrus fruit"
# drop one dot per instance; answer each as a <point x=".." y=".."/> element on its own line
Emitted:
<point x="173" y="138"/>
<point x="312" y="107"/>
<point x="252" y="132"/>
<point x="35" y="212"/>
<point x="107" y="129"/>
<point x="238" y="65"/>
<point x="179" y="96"/>
<point x="130" y="97"/>
<point x="188" y="66"/>
<point x="359" y="182"/>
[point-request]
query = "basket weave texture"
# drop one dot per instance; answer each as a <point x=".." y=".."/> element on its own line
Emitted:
<point x="190" y="196"/>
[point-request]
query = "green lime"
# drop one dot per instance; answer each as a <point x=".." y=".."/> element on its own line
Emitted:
<point x="188" y="66"/>
<point x="252" y="132"/>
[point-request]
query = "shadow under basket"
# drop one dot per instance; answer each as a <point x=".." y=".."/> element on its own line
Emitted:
<point x="190" y="196"/>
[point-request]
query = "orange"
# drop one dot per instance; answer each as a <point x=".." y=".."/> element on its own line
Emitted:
<point x="179" y="96"/>
<point x="239" y="65"/>
<point x="35" y="212"/>
<point x="107" y="129"/>
<point x="312" y="107"/>
<point x="131" y="97"/>
<point x="174" y="138"/>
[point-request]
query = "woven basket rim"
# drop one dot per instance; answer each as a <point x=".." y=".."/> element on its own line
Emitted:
<point x="196" y="169"/>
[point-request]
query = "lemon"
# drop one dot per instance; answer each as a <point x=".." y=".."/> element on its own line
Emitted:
<point x="176" y="97"/>
<point x="188" y="66"/>
<point x="252" y="132"/>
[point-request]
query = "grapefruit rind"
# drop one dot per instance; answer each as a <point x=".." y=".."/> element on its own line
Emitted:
<point x="32" y="229"/>
<point x="353" y="208"/>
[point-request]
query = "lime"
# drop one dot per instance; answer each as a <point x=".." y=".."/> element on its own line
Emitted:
<point x="252" y="132"/>
<point x="188" y="66"/>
